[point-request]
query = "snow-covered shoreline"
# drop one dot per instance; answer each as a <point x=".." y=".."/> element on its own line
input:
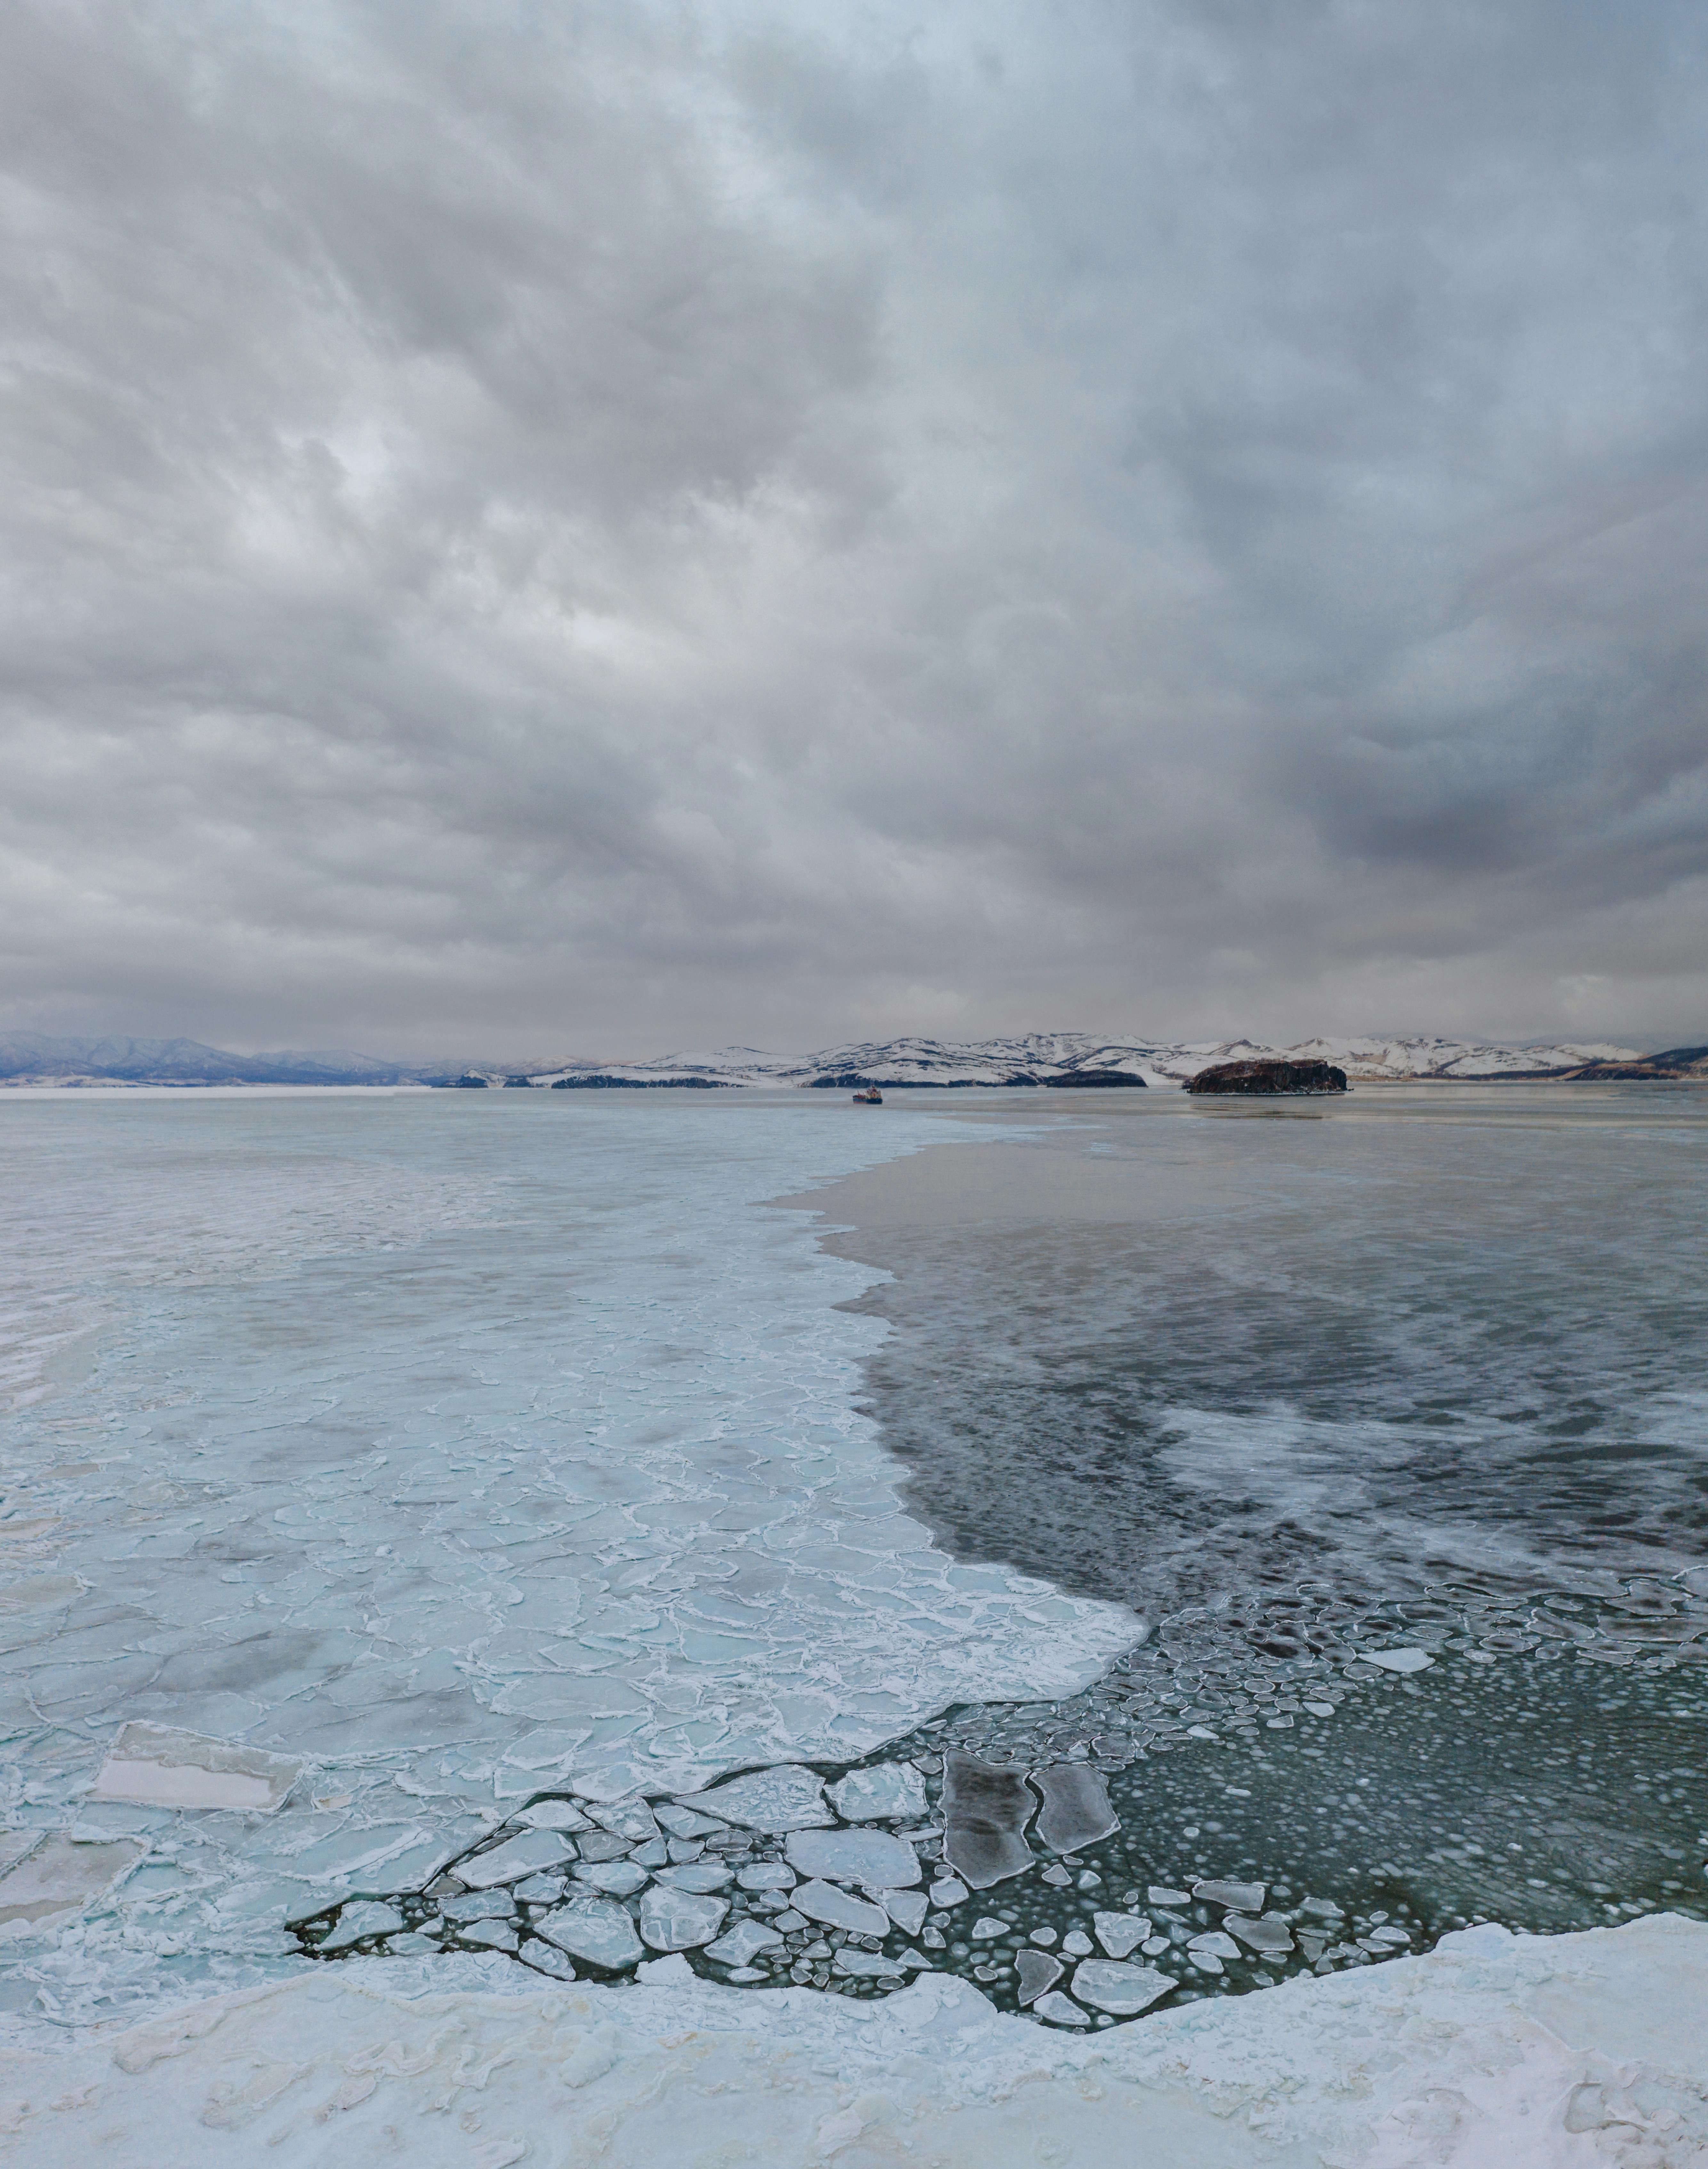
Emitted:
<point x="1523" y="2052"/>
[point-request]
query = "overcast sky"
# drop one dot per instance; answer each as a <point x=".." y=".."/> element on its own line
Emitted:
<point x="602" y="528"/>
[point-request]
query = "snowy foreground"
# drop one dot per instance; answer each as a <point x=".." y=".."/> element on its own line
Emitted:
<point x="1514" y="2052"/>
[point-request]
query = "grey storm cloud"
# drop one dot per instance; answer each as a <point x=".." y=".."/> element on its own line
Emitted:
<point x="596" y="528"/>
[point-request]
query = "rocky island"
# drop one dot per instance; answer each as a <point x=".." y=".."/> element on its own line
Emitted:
<point x="1268" y="1078"/>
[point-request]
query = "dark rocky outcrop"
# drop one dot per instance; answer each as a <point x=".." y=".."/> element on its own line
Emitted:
<point x="1099" y="1080"/>
<point x="1268" y="1078"/>
<point x="591" y="1083"/>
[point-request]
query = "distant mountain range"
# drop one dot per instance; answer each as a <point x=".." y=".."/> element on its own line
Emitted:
<point x="1045" y="1059"/>
<point x="26" y="1058"/>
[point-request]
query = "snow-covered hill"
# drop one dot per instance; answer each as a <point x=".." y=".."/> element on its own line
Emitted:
<point x="1047" y="1058"/>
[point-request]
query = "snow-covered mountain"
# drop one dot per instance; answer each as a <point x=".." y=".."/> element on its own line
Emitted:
<point x="1030" y="1058"/>
<point x="1043" y="1058"/>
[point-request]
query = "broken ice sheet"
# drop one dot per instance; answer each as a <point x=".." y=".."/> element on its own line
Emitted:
<point x="158" y="1766"/>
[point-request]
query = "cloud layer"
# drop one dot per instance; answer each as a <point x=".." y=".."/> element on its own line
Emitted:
<point x="594" y="529"/>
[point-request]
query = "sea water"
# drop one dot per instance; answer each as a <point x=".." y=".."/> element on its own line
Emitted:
<point x="477" y="1451"/>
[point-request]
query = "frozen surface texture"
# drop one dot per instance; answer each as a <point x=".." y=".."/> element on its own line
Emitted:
<point x="444" y="1449"/>
<point x="1493" y="2052"/>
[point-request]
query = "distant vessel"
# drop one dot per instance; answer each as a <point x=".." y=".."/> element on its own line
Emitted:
<point x="871" y="1097"/>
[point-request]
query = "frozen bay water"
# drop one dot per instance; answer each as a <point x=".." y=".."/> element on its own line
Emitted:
<point x="456" y="1446"/>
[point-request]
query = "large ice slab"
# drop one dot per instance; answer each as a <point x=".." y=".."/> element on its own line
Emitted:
<point x="159" y="1767"/>
<point x="886" y="1792"/>
<point x="596" y="1929"/>
<point x="61" y="1875"/>
<point x="1125" y="1989"/>
<point x="672" y="1920"/>
<point x="784" y="1798"/>
<point x="514" y="1859"/>
<point x="873" y="1858"/>
<point x="840" y="1909"/>
<point x="986" y="1809"/>
<point x="1076" y="1810"/>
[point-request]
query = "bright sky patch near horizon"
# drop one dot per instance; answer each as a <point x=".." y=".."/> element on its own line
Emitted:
<point x="609" y="528"/>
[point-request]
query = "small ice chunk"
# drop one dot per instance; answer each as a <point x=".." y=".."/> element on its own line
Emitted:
<point x="1205" y="1961"/>
<point x="1045" y="1938"/>
<point x="986" y="1809"/>
<point x="410" y="1946"/>
<point x="553" y="1815"/>
<point x="677" y="1920"/>
<point x="654" y="1853"/>
<point x="594" y="1929"/>
<point x="1158" y="1894"/>
<point x="618" y="1879"/>
<point x="744" y="1974"/>
<point x="495" y="1935"/>
<point x="788" y="1798"/>
<point x="888" y="1792"/>
<point x="539" y="1889"/>
<point x="662" y="1973"/>
<point x="1323" y="1909"/>
<point x="1218" y="1945"/>
<point x="988" y="1927"/>
<point x="788" y="1920"/>
<point x="700" y="1875"/>
<point x="1153" y="1946"/>
<point x="1120" y="1934"/>
<point x="873" y="1858"/>
<point x="61" y="1874"/>
<point x="1077" y="1944"/>
<point x="947" y="1890"/>
<point x="1243" y="1897"/>
<point x="867" y="1963"/>
<point x="683" y="1822"/>
<point x="157" y="1766"/>
<point x="906" y="1908"/>
<point x="1037" y="1974"/>
<point x="1395" y="1937"/>
<point x="1059" y="2010"/>
<point x="1320" y="1709"/>
<point x="516" y="1857"/>
<point x="1267" y="1934"/>
<point x="737" y="1946"/>
<point x="1122" y="1989"/>
<point x="603" y="1845"/>
<point x="840" y="1909"/>
<point x="364" y="1917"/>
<point x="1397" y="1661"/>
<point x="1057" y="1875"/>
<point x="630" y="1819"/>
<point x="478" y="1905"/>
<point x="767" y="1875"/>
